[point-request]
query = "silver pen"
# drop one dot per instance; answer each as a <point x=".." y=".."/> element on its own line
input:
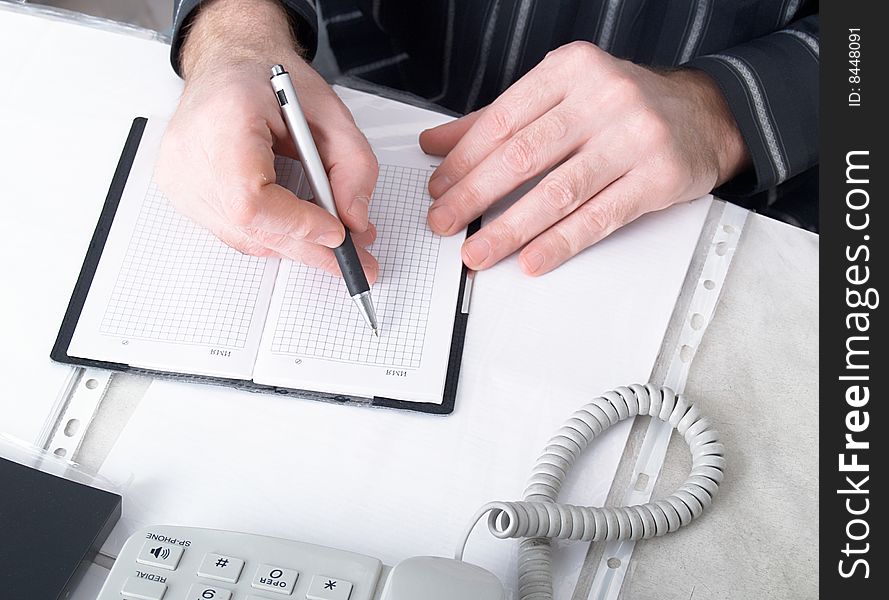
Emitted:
<point x="346" y="255"/>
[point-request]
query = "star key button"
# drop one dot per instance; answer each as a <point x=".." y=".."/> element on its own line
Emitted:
<point x="328" y="588"/>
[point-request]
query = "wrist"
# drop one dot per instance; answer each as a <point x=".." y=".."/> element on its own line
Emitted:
<point x="236" y="32"/>
<point x="718" y="124"/>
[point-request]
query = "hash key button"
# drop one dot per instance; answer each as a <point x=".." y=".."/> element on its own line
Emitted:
<point x="275" y="579"/>
<point x="328" y="588"/>
<point x="163" y="556"/>
<point x="221" y="568"/>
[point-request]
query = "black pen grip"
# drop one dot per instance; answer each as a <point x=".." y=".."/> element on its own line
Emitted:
<point x="350" y="265"/>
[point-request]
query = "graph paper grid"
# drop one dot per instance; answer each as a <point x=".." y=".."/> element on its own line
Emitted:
<point x="178" y="283"/>
<point x="318" y="319"/>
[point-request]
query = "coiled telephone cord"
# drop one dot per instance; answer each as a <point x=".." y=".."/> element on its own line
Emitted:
<point x="538" y="518"/>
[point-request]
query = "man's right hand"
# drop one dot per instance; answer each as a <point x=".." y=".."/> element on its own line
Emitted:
<point x="217" y="157"/>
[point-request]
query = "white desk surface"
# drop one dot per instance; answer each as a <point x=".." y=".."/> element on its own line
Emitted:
<point x="756" y="369"/>
<point x="62" y="200"/>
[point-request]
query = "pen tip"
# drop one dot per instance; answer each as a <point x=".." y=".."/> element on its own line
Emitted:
<point x="376" y="332"/>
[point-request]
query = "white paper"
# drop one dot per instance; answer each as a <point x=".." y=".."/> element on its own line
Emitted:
<point x="167" y="294"/>
<point x="392" y="484"/>
<point x="315" y="338"/>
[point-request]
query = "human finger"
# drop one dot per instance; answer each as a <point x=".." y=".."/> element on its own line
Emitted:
<point x="249" y="198"/>
<point x="367" y="237"/>
<point x="441" y="139"/>
<point x="276" y="210"/>
<point x="612" y="208"/>
<point x="283" y="246"/>
<point x="532" y="150"/>
<point x="559" y="194"/>
<point x="347" y="156"/>
<point x="320" y="257"/>
<point x="523" y="102"/>
<point x="352" y="169"/>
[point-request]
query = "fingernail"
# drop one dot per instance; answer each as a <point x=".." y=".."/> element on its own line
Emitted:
<point x="438" y="185"/>
<point x="442" y="218"/>
<point x="533" y="261"/>
<point x="477" y="250"/>
<point x="358" y="209"/>
<point x="331" y="239"/>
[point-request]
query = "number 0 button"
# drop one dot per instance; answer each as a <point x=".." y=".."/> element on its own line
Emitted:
<point x="275" y="579"/>
<point x="208" y="592"/>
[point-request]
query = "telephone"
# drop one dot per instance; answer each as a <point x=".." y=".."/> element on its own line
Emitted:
<point x="223" y="565"/>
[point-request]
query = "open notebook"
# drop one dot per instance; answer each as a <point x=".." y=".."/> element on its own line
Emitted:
<point x="158" y="292"/>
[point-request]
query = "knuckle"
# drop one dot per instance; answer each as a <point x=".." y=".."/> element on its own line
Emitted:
<point x="243" y="243"/>
<point x="254" y="124"/>
<point x="469" y="197"/>
<point x="506" y="231"/>
<point x="562" y="243"/>
<point x="268" y="239"/>
<point x="581" y="51"/>
<point x="590" y="170"/>
<point x="558" y="194"/>
<point x="301" y="226"/>
<point x="520" y="155"/>
<point x="457" y="164"/>
<point x="599" y="218"/>
<point x="556" y="125"/>
<point x="594" y="164"/>
<point x="496" y="123"/>
<point x="241" y="205"/>
<point x="252" y="248"/>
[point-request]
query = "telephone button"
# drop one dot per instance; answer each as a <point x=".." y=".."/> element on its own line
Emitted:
<point x="328" y="588"/>
<point x="221" y="568"/>
<point x="275" y="579"/>
<point x="200" y="591"/>
<point x="158" y="554"/>
<point x="135" y="588"/>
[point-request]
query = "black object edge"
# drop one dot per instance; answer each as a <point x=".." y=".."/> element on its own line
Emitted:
<point x="51" y="490"/>
<point x="59" y="352"/>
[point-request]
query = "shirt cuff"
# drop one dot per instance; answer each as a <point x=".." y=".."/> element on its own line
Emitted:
<point x="771" y="87"/>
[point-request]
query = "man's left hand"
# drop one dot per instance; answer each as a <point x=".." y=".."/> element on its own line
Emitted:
<point x="624" y="140"/>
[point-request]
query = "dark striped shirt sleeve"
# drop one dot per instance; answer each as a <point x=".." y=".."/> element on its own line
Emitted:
<point x="303" y="19"/>
<point x="771" y="85"/>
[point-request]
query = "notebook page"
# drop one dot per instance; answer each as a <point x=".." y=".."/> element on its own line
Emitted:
<point x="167" y="295"/>
<point x="315" y="338"/>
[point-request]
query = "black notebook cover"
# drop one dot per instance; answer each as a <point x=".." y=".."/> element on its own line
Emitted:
<point x="59" y="351"/>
